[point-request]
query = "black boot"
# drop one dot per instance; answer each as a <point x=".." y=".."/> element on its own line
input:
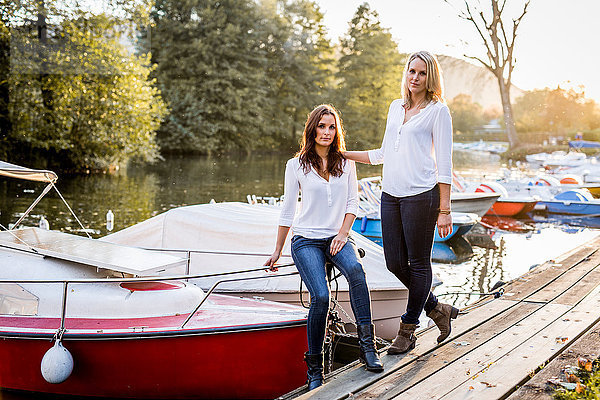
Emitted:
<point x="368" y="352"/>
<point x="314" y="374"/>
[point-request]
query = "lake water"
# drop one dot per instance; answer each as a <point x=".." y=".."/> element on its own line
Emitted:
<point x="142" y="191"/>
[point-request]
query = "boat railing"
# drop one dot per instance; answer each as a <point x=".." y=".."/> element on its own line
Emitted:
<point x="67" y="282"/>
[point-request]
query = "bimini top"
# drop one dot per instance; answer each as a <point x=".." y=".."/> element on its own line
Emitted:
<point x="16" y="171"/>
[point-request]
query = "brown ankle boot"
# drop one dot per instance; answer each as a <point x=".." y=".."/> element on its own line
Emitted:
<point x="441" y="315"/>
<point x="405" y="340"/>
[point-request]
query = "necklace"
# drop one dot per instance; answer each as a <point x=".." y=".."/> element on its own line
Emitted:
<point x="418" y="105"/>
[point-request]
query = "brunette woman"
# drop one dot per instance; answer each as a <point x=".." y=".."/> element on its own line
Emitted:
<point x="321" y="233"/>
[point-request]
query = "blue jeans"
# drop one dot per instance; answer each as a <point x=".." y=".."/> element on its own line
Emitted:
<point x="407" y="230"/>
<point x="310" y="256"/>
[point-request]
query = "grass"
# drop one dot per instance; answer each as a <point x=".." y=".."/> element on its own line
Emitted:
<point x="589" y="384"/>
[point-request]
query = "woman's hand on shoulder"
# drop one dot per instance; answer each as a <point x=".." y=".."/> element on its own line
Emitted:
<point x="272" y="260"/>
<point x="338" y="243"/>
<point x="444" y="225"/>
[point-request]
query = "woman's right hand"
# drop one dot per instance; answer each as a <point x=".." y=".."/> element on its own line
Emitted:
<point x="272" y="260"/>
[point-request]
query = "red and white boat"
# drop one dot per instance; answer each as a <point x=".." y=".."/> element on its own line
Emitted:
<point x="507" y="205"/>
<point x="119" y="332"/>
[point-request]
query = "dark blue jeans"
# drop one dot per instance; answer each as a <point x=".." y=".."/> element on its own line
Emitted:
<point x="310" y="256"/>
<point x="407" y="230"/>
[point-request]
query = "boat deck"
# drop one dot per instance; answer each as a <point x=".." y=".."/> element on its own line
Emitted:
<point x="499" y="346"/>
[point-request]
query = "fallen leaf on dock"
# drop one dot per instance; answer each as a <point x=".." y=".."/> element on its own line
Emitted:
<point x="572" y="378"/>
<point x="561" y="339"/>
<point x="471" y="388"/>
<point x="488" y="384"/>
<point x="584" y="363"/>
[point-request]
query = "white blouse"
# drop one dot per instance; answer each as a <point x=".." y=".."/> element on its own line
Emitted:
<point x="323" y="204"/>
<point x="417" y="154"/>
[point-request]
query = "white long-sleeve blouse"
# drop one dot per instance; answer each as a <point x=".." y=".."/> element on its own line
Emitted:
<point x="418" y="153"/>
<point x="324" y="204"/>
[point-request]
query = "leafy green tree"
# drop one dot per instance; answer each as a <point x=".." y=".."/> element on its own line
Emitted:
<point x="77" y="95"/>
<point x="369" y="76"/>
<point x="238" y="74"/>
<point x="211" y="68"/>
<point x="301" y="70"/>
<point x="466" y="115"/>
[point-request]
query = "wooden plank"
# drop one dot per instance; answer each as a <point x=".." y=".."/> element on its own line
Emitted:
<point x="356" y="377"/>
<point x="545" y="274"/>
<point x="428" y="364"/>
<point x="461" y="370"/>
<point x="569" y="278"/>
<point x="538" y="388"/>
<point x="585" y="285"/>
<point x="513" y="368"/>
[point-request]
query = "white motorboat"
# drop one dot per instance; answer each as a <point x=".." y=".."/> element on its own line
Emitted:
<point x="224" y="237"/>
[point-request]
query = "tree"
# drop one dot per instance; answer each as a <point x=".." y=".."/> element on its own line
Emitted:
<point x="77" y="96"/>
<point x="238" y="74"/>
<point x="369" y="76"/>
<point x="498" y="36"/>
<point x="300" y="67"/>
<point x="557" y="111"/>
<point x="466" y="115"/>
<point x="211" y="68"/>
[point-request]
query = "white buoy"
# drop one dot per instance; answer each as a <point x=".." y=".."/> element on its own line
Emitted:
<point x="57" y="364"/>
<point x="44" y="223"/>
<point x="110" y="220"/>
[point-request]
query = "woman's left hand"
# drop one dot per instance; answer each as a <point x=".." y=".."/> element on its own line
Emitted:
<point x="444" y="225"/>
<point x="338" y="243"/>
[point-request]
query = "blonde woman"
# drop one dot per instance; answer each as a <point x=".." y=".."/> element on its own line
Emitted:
<point x="417" y="174"/>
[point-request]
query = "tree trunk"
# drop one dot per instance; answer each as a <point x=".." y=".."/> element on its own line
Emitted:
<point x="509" y="121"/>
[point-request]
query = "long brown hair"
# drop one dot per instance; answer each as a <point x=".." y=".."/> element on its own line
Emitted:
<point x="308" y="155"/>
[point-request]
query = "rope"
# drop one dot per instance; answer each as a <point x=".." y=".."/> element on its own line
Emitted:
<point x="71" y="210"/>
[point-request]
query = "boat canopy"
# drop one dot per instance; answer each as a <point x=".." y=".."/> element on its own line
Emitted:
<point x="16" y="171"/>
<point x="242" y="237"/>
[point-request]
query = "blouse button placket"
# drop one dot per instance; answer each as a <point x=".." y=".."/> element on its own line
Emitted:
<point x="329" y="201"/>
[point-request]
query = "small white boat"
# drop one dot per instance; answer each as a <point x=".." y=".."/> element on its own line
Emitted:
<point x="225" y="237"/>
<point x="461" y="202"/>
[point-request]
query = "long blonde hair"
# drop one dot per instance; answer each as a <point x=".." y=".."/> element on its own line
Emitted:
<point x="434" y="83"/>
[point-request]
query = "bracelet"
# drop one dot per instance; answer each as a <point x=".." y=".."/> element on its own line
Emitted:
<point x="445" y="212"/>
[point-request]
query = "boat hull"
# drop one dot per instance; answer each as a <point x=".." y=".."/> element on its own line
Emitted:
<point x="371" y="229"/>
<point x="476" y="203"/>
<point x="387" y="306"/>
<point x="214" y="364"/>
<point x="508" y="208"/>
<point x="571" y="207"/>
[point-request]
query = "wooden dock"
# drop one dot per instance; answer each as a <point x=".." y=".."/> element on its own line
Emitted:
<point x="499" y="348"/>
